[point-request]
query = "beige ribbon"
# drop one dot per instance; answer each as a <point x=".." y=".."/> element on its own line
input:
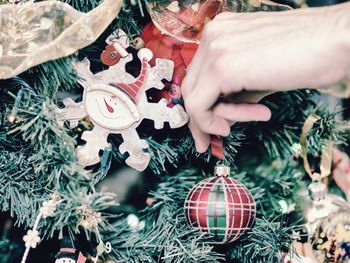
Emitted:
<point x="326" y="157"/>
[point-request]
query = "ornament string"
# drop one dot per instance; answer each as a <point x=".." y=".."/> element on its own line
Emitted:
<point x="26" y="252"/>
<point x="326" y="157"/>
<point x="32" y="237"/>
<point x="217" y="147"/>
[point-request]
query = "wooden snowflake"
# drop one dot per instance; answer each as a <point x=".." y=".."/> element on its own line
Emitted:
<point x="116" y="102"/>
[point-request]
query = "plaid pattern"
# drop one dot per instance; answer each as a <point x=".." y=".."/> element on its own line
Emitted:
<point x="221" y="206"/>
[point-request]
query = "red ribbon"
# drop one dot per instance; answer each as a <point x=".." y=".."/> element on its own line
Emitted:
<point x="216" y="147"/>
<point x="164" y="46"/>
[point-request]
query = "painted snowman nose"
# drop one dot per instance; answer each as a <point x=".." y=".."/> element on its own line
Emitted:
<point x="109" y="108"/>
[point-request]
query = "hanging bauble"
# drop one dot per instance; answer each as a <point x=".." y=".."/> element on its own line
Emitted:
<point x="328" y="222"/>
<point x="328" y="215"/>
<point x="221" y="206"/>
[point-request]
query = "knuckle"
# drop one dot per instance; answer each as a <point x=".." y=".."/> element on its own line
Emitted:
<point x="214" y="47"/>
<point x="222" y="15"/>
<point x="190" y="105"/>
<point x="218" y="66"/>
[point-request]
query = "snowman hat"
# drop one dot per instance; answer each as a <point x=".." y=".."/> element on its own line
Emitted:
<point x="133" y="89"/>
<point x="71" y="253"/>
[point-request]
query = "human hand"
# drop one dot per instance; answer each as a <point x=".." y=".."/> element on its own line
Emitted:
<point x="261" y="51"/>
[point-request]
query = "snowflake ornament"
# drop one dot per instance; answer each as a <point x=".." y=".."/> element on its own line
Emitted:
<point x="31" y="239"/>
<point x="116" y="102"/>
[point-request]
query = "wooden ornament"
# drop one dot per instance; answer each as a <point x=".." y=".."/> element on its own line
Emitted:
<point x="116" y="102"/>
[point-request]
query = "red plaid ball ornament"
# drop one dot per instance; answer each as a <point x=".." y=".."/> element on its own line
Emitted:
<point x="221" y="206"/>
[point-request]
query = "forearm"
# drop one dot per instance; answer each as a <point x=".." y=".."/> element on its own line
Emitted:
<point x="340" y="26"/>
<point x="327" y="44"/>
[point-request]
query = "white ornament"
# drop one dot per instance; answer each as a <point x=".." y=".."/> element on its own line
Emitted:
<point x="116" y="102"/>
<point x="31" y="239"/>
<point x="134" y="222"/>
<point x="48" y="208"/>
<point x="120" y="37"/>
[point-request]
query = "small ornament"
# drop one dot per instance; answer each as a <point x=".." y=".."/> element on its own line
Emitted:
<point x="328" y="217"/>
<point x="116" y="102"/>
<point x="221" y="206"/>
<point x="135" y="223"/>
<point x="89" y="218"/>
<point x="117" y="42"/>
<point x="48" y="207"/>
<point x="286" y="208"/>
<point x="69" y="255"/>
<point x="110" y="56"/>
<point x="31" y="239"/>
<point x="47" y="210"/>
<point x="331" y="241"/>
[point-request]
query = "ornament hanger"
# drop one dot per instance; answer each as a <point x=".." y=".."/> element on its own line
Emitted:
<point x="326" y="157"/>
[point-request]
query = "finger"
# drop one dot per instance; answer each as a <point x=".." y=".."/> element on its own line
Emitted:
<point x="226" y="16"/>
<point x="201" y="139"/>
<point x="242" y="112"/>
<point x="192" y="71"/>
<point x="201" y="58"/>
<point x="215" y="125"/>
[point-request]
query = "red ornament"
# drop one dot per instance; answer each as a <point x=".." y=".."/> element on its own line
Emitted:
<point x="164" y="46"/>
<point x="185" y="20"/>
<point x="110" y="56"/>
<point x="221" y="206"/>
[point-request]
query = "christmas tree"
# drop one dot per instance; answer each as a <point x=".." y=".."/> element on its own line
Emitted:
<point x="66" y="191"/>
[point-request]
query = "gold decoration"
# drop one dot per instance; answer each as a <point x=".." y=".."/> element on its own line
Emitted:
<point x="34" y="33"/>
<point x="328" y="217"/>
<point x="89" y="218"/>
<point x="331" y="242"/>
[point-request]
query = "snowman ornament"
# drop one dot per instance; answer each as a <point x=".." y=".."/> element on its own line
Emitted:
<point x="116" y="103"/>
<point x="65" y="260"/>
<point x="69" y="255"/>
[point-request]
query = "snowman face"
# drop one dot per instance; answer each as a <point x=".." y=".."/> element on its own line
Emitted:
<point x="65" y="260"/>
<point x="108" y="106"/>
<point x="109" y="110"/>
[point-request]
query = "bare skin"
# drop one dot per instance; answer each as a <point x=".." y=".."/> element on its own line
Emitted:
<point x="254" y="54"/>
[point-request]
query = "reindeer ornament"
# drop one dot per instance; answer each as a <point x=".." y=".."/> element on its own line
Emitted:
<point x="116" y="103"/>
